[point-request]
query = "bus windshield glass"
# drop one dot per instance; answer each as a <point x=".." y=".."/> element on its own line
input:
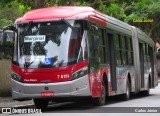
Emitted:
<point x="49" y="44"/>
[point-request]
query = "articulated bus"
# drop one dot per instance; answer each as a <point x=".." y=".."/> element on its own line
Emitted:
<point x="77" y="52"/>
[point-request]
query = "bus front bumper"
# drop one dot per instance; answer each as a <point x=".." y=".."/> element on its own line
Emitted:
<point x="75" y="88"/>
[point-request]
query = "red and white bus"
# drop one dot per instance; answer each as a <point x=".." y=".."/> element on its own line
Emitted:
<point x="74" y="52"/>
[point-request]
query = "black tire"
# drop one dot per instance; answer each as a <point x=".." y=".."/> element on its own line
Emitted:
<point x="146" y="92"/>
<point x="126" y="96"/>
<point x="41" y="103"/>
<point x="100" y="101"/>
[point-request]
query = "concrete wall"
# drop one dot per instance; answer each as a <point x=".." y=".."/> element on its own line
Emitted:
<point x="5" y="72"/>
<point x="5" y="69"/>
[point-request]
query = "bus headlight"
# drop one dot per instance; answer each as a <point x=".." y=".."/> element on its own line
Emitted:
<point x="16" y="77"/>
<point x="80" y="73"/>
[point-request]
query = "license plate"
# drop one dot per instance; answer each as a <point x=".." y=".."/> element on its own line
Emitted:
<point x="50" y="93"/>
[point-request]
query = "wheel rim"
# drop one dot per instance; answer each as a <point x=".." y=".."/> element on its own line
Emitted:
<point x="148" y="89"/>
<point x="103" y="93"/>
<point x="128" y="91"/>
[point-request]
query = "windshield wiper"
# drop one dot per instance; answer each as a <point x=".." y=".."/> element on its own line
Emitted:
<point x="27" y="64"/>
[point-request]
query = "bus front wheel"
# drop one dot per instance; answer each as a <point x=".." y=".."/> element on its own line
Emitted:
<point x="147" y="92"/>
<point x="100" y="101"/>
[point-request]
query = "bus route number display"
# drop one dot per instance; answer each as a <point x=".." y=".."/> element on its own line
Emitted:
<point x="35" y="38"/>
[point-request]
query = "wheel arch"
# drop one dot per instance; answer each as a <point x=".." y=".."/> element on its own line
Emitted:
<point x="150" y="81"/>
<point x="129" y="79"/>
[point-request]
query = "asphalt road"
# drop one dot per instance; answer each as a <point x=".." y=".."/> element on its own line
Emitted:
<point x="138" y="104"/>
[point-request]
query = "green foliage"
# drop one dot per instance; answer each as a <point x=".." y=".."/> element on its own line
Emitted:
<point x="10" y="13"/>
<point x="4" y="2"/>
<point x="113" y="9"/>
<point x="4" y="22"/>
<point x="138" y="10"/>
<point x="145" y="9"/>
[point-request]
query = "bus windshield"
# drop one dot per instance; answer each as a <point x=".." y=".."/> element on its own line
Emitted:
<point x="49" y="44"/>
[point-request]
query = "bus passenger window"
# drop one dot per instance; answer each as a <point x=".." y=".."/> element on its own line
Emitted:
<point x="118" y="49"/>
<point x="130" y="52"/>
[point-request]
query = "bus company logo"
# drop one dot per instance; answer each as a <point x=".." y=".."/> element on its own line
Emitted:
<point x="19" y="111"/>
<point x="6" y="110"/>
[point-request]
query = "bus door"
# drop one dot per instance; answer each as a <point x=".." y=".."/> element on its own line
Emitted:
<point x="141" y="54"/>
<point x="112" y="61"/>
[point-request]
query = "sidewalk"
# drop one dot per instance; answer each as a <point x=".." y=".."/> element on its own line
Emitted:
<point x="9" y="102"/>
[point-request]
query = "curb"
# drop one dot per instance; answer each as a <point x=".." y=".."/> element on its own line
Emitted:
<point x="24" y="106"/>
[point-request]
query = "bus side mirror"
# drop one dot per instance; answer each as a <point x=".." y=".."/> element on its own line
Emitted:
<point x="95" y="43"/>
<point x="93" y="27"/>
<point x="95" y="37"/>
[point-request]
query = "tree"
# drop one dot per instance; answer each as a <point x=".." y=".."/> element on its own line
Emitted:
<point x="4" y="2"/>
<point x="145" y="9"/>
<point x="34" y="4"/>
<point x="10" y="13"/>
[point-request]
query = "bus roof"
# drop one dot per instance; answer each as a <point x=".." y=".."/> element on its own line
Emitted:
<point x="144" y="37"/>
<point x="53" y="13"/>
